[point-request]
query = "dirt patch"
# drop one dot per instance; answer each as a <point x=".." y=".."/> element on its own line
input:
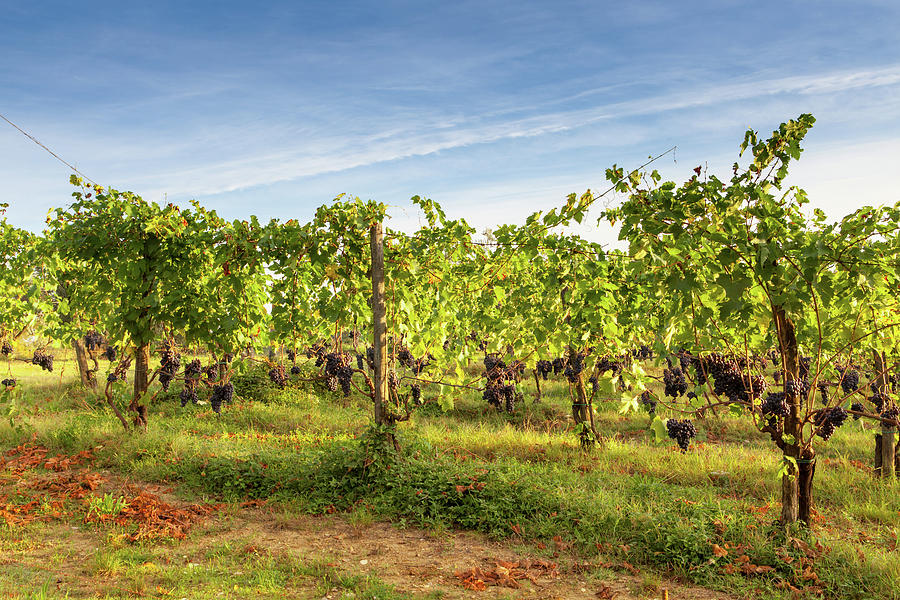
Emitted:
<point x="453" y="563"/>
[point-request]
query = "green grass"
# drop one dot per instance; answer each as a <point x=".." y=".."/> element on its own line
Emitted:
<point x="520" y="475"/>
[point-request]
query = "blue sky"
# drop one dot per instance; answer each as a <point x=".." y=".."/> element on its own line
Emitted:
<point x="494" y="109"/>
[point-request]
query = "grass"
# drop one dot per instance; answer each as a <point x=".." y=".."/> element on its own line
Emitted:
<point x="519" y="476"/>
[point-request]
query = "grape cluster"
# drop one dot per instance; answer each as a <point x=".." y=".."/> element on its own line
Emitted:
<point x="416" y="365"/>
<point x="879" y="400"/>
<point x="8" y="383"/>
<point x="675" y="382"/>
<point x="212" y="373"/>
<point x="648" y="402"/>
<point x="729" y="380"/>
<point x="93" y="340"/>
<point x="544" y="368"/>
<point x="277" y="376"/>
<point x="221" y="393"/>
<point x="370" y="357"/>
<point x="360" y="362"/>
<point x="337" y="368"/>
<point x="6" y="348"/>
<point x="170" y="361"/>
<point x="559" y="365"/>
<point x="110" y="353"/>
<point x="501" y="395"/>
<point x="890" y="412"/>
<point x="774" y="405"/>
<point x="393" y="381"/>
<point x="317" y="350"/>
<point x="192" y="373"/>
<point x="822" y="386"/>
<point x="850" y="381"/>
<point x="829" y="419"/>
<point x="681" y="431"/>
<point x="798" y="388"/>
<point x="42" y="359"/>
<point x="112" y="378"/>
<point x="292" y="355"/>
<point x="642" y="353"/>
<point x="295" y="370"/>
<point x="415" y="393"/>
<point x="605" y="364"/>
<point x="857" y="407"/>
<point x="575" y="367"/>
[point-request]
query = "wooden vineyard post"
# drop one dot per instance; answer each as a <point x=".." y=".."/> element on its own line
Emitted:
<point x="379" y="323"/>
<point x="885" y="443"/>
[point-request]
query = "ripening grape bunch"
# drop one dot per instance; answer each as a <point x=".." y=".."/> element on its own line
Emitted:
<point x="188" y="394"/>
<point x="277" y="376"/>
<point x="6" y="348"/>
<point x="798" y="388"/>
<point x="93" y="340"/>
<point x="221" y="394"/>
<point x="169" y="363"/>
<point x="43" y="360"/>
<point x="559" y="365"/>
<point x="642" y="353"/>
<point x="828" y="420"/>
<point x="850" y="381"/>
<point x="295" y="370"/>
<point x="890" y="412"/>
<point x="878" y="400"/>
<point x="110" y="353"/>
<point x="393" y="381"/>
<point x="675" y="382"/>
<point x="682" y="431"/>
<point x="575" y="367"/>
<point x="544" y="368"/>
<point x="415" y="392"/>
<point x="605" y="364"/>
<point x="360" y="362"/>
<point x="292" y="355"/>
<point x="648" y="402"/>
<point x="8" y="383"/>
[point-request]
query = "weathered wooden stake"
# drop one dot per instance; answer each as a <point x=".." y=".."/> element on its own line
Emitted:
<point x="379" y="323"/>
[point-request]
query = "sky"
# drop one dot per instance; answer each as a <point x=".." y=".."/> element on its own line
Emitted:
<point x="493" y="109"/>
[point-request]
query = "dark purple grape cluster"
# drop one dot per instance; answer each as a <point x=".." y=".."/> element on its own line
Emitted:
<point x="797" y="388"/>
<point x="501" y="395"/>
<point x="850" y="381"/>
<point x="221" y="394"/>
<point x="595" y="384"/>
<point x="212" y="373"/>
<point x="642" y="353"/>
<point x="675" y="382"/>
<point x="188" y="394"/>
<point x="295" y="370"/>
<point x="292" y="355"/>
<point x="648" y="402"/>
<point x="559" y="365"/>
<point x="110" y="353"/>
<point x="370" y="357"/>
<point x="681" y="431"/>
<point x="879" y="400"/>
<point x="890" y="412"/>
<point x="193" y="369"/>
<point x="112" y="378"/>
<point x="170" y="361"/>
<point x="605" y="364"/>
<point x="729" y="379"/>
<point x="92" y="340"/>
<point x="415" y="392"/>
<point x="822" y="386"/>
<point x="43" y="360"/>
<point x="574" y="367"/>
<point x="8" y="383"/>
<point x="277" y="376"/>
<point x="857" y="407"/>
<point x="360" y="362"/>
<point x="337" y="366"/>
<point x="6" y="348"/>
<point x="774" y="405"/>
<point x="393" y="381"/>
<point x="318" y="351"/>
<point x="544" y="368"/>
<point x="828" y="420"/>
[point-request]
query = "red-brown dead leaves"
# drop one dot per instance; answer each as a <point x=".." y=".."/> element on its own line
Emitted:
<point x="154" y="518"/>
<point x="506" y="574"/>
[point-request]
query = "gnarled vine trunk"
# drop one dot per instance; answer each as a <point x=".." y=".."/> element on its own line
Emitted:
<point x="141" y="384"/>
<point x="88" y="379"/>
<point x="796" y="483"/>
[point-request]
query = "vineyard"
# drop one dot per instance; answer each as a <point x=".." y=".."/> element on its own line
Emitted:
<point x="713" y="406"/>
